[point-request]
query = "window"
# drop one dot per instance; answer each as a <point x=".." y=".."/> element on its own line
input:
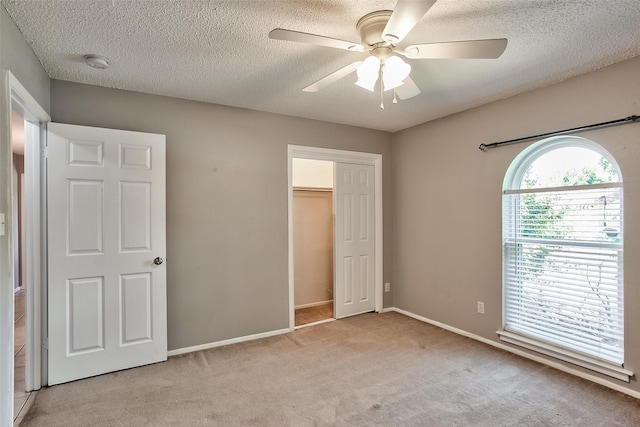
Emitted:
<point x="562" y="254"/>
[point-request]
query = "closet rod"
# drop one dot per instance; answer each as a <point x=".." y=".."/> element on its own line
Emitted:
<point x="630" y="119"/>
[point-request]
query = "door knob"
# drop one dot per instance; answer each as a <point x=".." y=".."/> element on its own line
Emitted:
<point x="158" y="261"/>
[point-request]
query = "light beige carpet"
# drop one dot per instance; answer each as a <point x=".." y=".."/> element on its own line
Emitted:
<point x="374" y="369"/>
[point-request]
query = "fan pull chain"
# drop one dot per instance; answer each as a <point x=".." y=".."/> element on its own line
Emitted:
<point x="395" y="100"/>
<point x="381" y="96"/>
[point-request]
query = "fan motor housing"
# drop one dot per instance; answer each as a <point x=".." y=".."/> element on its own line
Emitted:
<point x="371" y="25"/>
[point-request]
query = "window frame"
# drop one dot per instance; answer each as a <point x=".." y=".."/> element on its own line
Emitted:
<point x="512" y="184"/>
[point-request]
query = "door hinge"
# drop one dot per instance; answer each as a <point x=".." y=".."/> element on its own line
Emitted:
<point x="45" y="152"/>
<point x="45" y="343"/>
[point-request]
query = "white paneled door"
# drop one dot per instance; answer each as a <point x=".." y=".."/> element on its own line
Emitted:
<point x="354" y="239"/>
<point x="106" y="245"/>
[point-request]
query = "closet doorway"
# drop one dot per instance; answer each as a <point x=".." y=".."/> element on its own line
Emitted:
<point x="313" y="240"/>
<point x="356" y="263"/>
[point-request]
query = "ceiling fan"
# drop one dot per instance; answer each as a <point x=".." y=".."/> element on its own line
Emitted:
<point x="381" y="32"/>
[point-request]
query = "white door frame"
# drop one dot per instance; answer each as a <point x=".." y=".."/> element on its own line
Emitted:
<point x="18" y="96"/>
<point x="339" y="156"/>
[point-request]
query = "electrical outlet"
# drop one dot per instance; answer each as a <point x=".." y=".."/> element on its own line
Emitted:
<point x="480" y="307"/>
<point x="387" y="287"/>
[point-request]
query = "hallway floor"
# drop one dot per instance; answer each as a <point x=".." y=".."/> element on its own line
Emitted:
<point x="21" y="399"/>
<point x="308" y="315"/>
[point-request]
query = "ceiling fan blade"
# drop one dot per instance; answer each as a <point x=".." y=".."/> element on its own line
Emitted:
<point x="333" y="77"/>
<point x="405" y="16"/>
<point x="472" y="49"/>
<point x="297" y="36"/>
<point x="408" y="89"/>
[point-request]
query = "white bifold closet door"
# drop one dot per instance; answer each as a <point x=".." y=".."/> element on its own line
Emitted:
<point x="354" y="239"/>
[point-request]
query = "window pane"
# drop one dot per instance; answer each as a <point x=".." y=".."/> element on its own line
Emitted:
<point x="586" y="215"/>
<point x="569" y="166"/>
<point x="563" y="272"/>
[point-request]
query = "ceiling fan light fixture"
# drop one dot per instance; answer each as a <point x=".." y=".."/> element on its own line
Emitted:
<point x="394" y="71"/>
<point x="380" y="33"/>
<point x="368" y="73"/>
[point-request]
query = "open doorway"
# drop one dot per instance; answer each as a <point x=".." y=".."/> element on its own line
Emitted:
<point x="22" y="345"/>
<point x="357" y="230"/>
<point x="313" y="240"/>
<point x="21" y="396"/>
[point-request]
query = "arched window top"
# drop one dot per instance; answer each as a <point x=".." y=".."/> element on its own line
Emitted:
<point x="564" y="161"/>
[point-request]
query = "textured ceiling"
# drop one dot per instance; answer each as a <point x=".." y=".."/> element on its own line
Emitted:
<point x="219" y="51"/>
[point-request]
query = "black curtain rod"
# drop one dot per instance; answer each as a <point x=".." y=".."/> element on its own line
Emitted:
<point x="630" y="119"/>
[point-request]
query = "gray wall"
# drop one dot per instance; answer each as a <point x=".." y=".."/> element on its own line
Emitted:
<point x="447" y="197"/>
<point x="226" y="202"/>
<point x="17" y="56"/>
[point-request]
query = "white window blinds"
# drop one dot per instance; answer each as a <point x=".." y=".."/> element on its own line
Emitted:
<point x="562" y="264"/>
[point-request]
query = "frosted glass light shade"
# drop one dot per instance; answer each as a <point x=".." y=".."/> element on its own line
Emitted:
<point x="368" y="73"/>
<point x="394" y="71"/>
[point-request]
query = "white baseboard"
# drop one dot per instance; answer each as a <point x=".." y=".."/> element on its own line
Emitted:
<point x="313" y="304"/>
<point x="207" y="346"/>
<point x="524" y="354"/>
